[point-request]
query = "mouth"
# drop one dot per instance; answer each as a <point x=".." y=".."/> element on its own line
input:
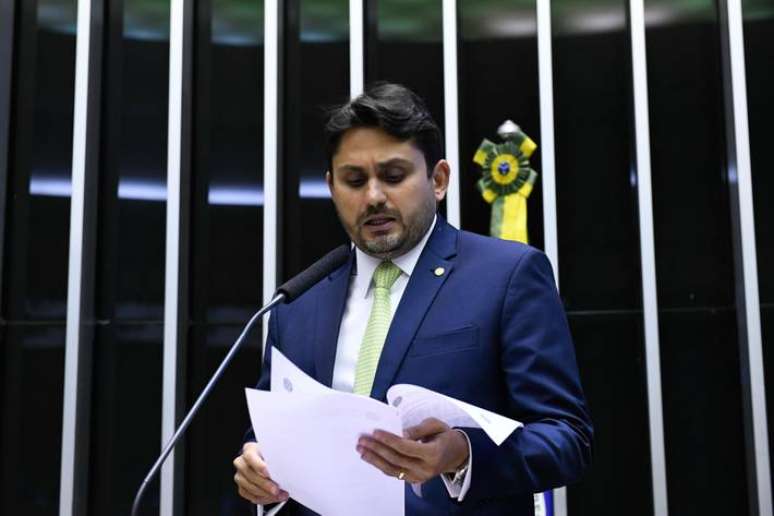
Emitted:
<point x="379" y="223"/>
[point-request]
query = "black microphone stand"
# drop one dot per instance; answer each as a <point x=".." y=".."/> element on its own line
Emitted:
<point x="278" y="298"/>
<point x="286" y="293"/>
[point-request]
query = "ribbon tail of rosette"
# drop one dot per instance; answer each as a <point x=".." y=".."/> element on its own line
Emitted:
<point x="498" y="211"/>
<point x="509" y="213"/>
<point x="514" y="218"/>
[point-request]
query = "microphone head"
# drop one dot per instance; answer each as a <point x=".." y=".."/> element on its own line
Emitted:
<point x="304" y="280"/>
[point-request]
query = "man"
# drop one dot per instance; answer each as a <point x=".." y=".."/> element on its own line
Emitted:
<point x="419" y="302"/>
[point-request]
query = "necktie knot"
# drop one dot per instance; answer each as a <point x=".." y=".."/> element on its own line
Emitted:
<point x="385" y="275"/>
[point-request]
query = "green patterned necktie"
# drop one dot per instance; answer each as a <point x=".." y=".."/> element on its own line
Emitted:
<point x="376" y="331"/>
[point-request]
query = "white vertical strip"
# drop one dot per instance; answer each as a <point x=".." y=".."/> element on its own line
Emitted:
<point x="560" y="501"/>
<point x="749" y="261"/>
<point x="547" y="153"/>
<point x="75" y="263"/>
<point x="271" y="46"/>
<point x="172" y="257"/>
<point x="647" y="257"/>
<point x="451" y="114"/>
<point x="356" y="48"/>
<point x="548" y="165"/>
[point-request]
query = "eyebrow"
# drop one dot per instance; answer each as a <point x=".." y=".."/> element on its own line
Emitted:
<point x="380" y="166"/>
<point x="394" y="161"/>
<point x="348" y="168"/>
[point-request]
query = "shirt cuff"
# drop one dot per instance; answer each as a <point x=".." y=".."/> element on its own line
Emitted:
<point x="459" y="489"/>
<point x="262" y="511"/>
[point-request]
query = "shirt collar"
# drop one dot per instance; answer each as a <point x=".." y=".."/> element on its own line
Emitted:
<point x="365" y="265"/>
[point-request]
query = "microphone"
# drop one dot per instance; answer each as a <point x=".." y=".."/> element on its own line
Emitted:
<point x="287" y="292"/>
<point x="302" y="281"/>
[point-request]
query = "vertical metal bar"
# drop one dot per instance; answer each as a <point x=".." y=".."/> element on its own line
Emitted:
<point x="175" y="285"/>
<point x="7" y="19"/>
<point x="548" y="165"/>
<point x="451" y="110"/>
<point x="745" y="261"/>
<point x="273" y="14"/>
<point x="169" y="383"/>
<point x="547" y="152"/>
<point x="356" y="48"/>
<point x="271" y="104"/>
<point x="647" y="257"/>
<point x="80" y="280"/>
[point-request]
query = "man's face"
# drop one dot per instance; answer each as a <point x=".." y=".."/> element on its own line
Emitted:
<point x="382" y="191"/>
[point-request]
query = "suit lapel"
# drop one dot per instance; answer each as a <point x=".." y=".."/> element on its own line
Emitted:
<point x="422" y="288"/>
<point x="330" y="308"/>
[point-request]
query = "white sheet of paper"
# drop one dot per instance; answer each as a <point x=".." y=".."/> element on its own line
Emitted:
<point x="308" y="433"/>
<point x="416" y="404"/>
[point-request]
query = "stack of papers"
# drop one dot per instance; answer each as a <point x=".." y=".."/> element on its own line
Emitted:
<point x="308" y="433"/>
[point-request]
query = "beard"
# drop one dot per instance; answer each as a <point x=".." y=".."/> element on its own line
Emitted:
<point x="397" y="242"/>
<point x="384" y="246"/>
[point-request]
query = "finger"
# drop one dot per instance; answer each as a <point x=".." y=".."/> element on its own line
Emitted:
<point x="381" y="464"/>
<point x="243" y="467"/>
<point x="267" y="492"/>
<point x="426" y="428"/>
<point x="387" y="453"/>
<point x="258" y="499"/>
<point x="247" y="495"/>
<point x="252" y="448"/>
<point x="269" y="486"/>
<point x="407" y="447"/>
<point x="253" y="488"/>
<point x="254" y="478"/>
<point x="255" y="461"/>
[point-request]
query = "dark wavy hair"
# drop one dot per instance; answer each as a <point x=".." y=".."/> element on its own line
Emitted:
<point x="396" y="110"/>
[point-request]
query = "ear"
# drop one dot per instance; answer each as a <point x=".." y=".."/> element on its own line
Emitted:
<point x="440" y="179"/>
<point x="329" y="180"/>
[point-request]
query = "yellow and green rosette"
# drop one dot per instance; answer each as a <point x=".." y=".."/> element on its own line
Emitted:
<point x="507" y="181"/>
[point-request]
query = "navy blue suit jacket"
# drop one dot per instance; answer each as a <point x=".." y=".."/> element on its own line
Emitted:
<point x="490" y="331"/>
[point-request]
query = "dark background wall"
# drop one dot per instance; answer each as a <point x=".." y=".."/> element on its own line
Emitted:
<point x="598" y="225"/>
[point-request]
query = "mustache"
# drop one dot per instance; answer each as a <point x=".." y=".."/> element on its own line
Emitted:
<point x="377" y="210"/>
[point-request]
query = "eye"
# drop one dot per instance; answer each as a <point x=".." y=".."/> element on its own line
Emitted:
<point x="353" y="178"/>
<point x="394" y="176"/>
<point x="354" y="182"/>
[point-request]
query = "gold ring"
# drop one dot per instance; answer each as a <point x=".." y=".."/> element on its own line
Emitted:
<point x="401" y="475"/>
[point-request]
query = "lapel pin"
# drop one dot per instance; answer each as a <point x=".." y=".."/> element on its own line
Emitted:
<point x="439" y="271"/>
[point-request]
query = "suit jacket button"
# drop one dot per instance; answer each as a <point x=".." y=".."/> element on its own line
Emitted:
<point x="439" y="271"/>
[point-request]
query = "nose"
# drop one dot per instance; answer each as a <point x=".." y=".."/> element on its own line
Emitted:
<point x="375" y="193"/>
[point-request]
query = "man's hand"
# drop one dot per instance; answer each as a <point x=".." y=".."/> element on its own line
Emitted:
<point x="425" y="451"/>
<point x="252" y="478"/>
